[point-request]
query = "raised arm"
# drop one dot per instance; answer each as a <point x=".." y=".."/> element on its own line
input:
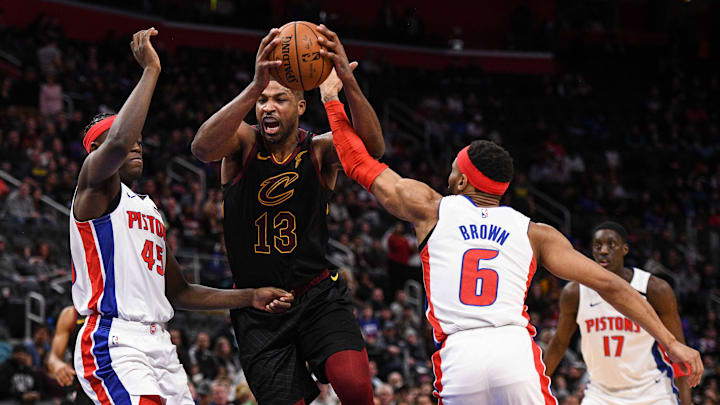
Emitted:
<point x="184" y="295"/>
<point x="223" y="133"/>
<point x="662" y="298"/>
<point x="556" y="253"/>
<point x="407" y="199"/>
<point x="553" y="355"/>
<point x="62" y="371"/>
<point x="365" y="121"/>
<point x="125" y="131"/>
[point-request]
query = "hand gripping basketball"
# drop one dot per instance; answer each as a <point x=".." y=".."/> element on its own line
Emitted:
<point x="263" y="61"/>
<point x="334" y="50"/>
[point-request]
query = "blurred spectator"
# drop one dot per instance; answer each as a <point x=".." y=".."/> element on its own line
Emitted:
<point x="38" y="347"/>
<point x="51" y="97"/>
<point x="385" y="394"/>
<point x="220" y="393"/>
<point x="19" y="381"/>
<point x="201" y="356"/>
<point x="49" y="57"/>
<point x="19" y="204"/>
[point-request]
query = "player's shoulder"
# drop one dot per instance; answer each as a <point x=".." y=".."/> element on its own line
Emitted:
<point x="659" y="289"/>
<point x="571" y="292"/>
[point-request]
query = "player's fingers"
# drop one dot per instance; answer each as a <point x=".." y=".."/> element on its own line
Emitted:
<point x="279" y="306"/>
<point x="698" y="369"/>
<point x="148" y="33"/>
<point x="136" y="41"/>
<point x="267" y="38"/>
<point x="327" y="43"/>
<point x="353" y="65"/>
<point x="269" y="48"/>
<point x="326" y="31"/>
<point x="327" y="54"/>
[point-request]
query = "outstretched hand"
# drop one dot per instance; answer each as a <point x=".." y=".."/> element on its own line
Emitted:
<point x="143" y="50"/>
<point x="330" y="88"/>
<point x="271" y="299"/>
<point x="687" y="357"/>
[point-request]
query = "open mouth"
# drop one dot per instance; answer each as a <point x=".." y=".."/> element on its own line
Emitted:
<point x="271" y="125"/>
<point x="603" y="263"/>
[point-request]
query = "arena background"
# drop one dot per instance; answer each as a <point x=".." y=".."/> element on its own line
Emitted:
<point x="605" y="105"/>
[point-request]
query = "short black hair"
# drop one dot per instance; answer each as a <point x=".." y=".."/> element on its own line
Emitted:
<point x="95" y="120"/>
<point x="492" y="160"/>
<point x="613" y="226"/>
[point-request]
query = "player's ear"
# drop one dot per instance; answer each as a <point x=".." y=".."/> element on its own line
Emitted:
<point x="462" y="182"/>
<point x="94" y="145"/>
<point x="625" y="249"/>
<point x="301" y="107"/>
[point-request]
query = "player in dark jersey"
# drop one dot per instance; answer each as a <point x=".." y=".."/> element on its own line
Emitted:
<point x="66" y="331"/>
<point x="277" y="180"/>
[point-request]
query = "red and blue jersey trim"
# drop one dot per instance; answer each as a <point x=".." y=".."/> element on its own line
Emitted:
<point x="664" y="364"/>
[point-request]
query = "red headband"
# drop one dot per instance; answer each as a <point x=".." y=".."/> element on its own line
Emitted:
<point x="477" y="178"/>
<point x="97" y="130"/>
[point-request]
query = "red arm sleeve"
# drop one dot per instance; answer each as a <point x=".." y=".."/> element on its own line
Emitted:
<point x="354" y="157"/>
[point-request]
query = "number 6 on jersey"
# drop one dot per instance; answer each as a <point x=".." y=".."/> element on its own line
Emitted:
<point x="478" y="286"/>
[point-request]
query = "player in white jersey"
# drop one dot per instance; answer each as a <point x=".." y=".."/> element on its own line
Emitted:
<point x="626" y="364"/>
<point x="478" y="261"/>
<point x="125" y="279"/>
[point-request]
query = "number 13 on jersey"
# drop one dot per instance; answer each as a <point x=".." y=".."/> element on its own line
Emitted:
<point x="478" y="284"/>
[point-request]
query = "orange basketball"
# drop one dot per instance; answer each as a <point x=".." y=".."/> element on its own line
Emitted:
<point x="302" y="66"/>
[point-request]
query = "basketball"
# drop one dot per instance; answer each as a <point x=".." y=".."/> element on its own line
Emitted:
<point x="302" y="66"/>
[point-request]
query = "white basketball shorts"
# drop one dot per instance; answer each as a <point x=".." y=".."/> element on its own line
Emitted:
<point x="493" y="365"/>
<point x="129" y="363"/>
<point x="660" y="392"/>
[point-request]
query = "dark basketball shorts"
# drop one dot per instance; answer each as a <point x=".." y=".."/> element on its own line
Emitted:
<point x="274" y="348"/>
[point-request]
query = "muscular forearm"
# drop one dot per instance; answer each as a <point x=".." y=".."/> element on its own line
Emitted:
<point x="351" y="151"/>
<point x="128" y="125"/>
<point x="625" y="299"/>
<point x="554" y="355"/>
<point x="198" y="297"/>
<point x="212" y="139"/>
<point x="365" y="121"/>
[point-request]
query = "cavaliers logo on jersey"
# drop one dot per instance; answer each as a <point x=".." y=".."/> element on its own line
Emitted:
<point x="276" y="190"/>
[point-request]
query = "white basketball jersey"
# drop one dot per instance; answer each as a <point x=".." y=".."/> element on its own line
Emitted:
<point x="477" y="267"/>
<point x="119" y="262"/>
<point x="619" y="354"/>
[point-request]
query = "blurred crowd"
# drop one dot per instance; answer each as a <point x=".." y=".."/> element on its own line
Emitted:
<point x="641" y="149"/>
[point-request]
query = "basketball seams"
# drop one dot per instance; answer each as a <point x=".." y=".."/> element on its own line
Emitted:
<point x="297" y="56"/>
<point x="322" y="62"/>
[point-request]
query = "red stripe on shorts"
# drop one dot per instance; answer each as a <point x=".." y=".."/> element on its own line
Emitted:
<point x="150" y="400"/>
<point x="544" y="380"/>
<point x="437" y="369"/>
<point x="88" y="360"/>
